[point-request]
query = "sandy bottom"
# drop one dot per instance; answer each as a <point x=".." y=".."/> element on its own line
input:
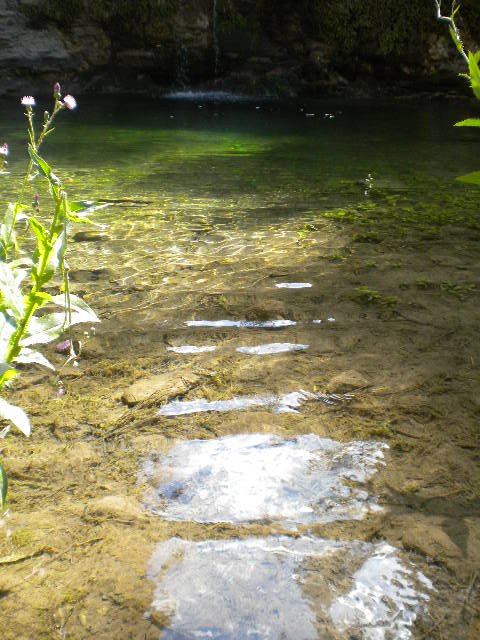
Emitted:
<point x="77" y="542"/>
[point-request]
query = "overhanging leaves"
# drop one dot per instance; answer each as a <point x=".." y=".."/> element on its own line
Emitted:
<point x="7" y="329"/>
<point x="12" y="296"/>
<point x="470" y="178"/>
<point x="29" y="356"/>
<point x="473" y="60"/>
<point x="15" y="415"/>
<point x="470" y="122"/>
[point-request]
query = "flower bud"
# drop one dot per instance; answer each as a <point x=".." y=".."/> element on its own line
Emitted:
<point x="57" y="91"/>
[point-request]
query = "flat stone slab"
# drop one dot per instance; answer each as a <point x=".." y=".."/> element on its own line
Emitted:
<point x="242" y="324"/>
<point x="272" y="348"/>
<point x="294" y="285"/>
<point x="284" y="403"/>
<point x="281" y="588"/>
<point x="258" y="477"/>
<point x="189" y="348"/>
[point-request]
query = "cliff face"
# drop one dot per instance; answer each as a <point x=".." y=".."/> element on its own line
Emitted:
<point x="280" y="47"/>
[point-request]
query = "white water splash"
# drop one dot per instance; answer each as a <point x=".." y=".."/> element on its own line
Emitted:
<point x="273" y="347"/>
<point x="293" y="285"/>
<point x="257" y="589"/>
<point x="242" y="324"/>
<point x="285" y="403"/>
<point x="190" y="349"/>
<point x="253" y="477"/>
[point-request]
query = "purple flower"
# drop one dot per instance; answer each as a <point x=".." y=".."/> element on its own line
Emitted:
<point x="28" y="101"/>
<point x="4" y="149"/>
<point x="70" y="102"/>
<point x="57" y="90"/>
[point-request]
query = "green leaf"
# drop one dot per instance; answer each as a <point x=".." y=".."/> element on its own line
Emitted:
<point x="15" y="415"/>
<point x="78" y="211"/>
<point x="12" y="296"/>
<point x="3" y="488"/>
<point x="471" y="122"/>
<point x="44" y="167"/>
<point x="470" y="178"/>
<point x="7" y="373"/>
<point x="13" y="213"/>
<point x="44" y="329"/>
<point x="29" y="356"/>
<point x="7" y="329"/>
<point x="51" y="326"/>
<point x="77" y="305"/>
<point x="473" y="59"/>
<point x="45" y="267"/>
<point x="4" y="367"/>
<point x="86" y="206"/>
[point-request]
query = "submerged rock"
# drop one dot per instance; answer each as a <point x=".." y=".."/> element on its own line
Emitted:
<point x="284" y="403"/>
<point x="117" y="507"/>
<point x="163" y="385"/>
<point x="347" y="381"/>
<point x="89" y="236"/>
<point x="280" y="587"/>
<point x="250" y="478"/>
<point x="272" y="348"/>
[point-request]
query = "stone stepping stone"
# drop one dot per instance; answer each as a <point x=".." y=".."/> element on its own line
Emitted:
<point x="242" y="324"/>
<point x="256" y="477"/>
<point x="281" y="588"/>
<point x="285" y="403"/>
<point x="273" y="348"/>
<point x="251" y="324"/>
<point x="188" y="348"/>
<point x="294" y="285"/>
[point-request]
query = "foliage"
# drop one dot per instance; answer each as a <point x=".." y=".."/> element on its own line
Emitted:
<point x="472" y="61"/>
<point x="24" y="276"/>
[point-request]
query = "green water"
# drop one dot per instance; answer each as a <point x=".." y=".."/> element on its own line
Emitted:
<point x="200" y="192"/>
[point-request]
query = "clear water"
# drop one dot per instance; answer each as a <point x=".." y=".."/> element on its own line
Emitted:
<point x="212" y="204"/>
<point x="253" y="477"/>
<point x="282" y="588"/>
<point x="205" y="194"/>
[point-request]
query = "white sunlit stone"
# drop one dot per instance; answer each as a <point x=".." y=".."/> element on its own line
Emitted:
<point x="293" y="285"/>
<point x="257" y="477"/>
<point x="285" y="403"/>
<point x="185" y="349"/>
<point x="242" y="324"/>
<point x="257" y="588"/>
<point x="272" y="348"/>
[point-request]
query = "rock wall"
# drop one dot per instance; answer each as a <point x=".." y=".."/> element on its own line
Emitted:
<point x="279" y="47"/>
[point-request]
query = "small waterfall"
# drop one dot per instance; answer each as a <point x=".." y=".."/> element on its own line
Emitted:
<point x="182" y="63"/>
<point x="216" y="46"/>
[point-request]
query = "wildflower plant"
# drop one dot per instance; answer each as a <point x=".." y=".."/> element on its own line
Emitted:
<point x="28" y="279"/>
<point x="472" y="61"/>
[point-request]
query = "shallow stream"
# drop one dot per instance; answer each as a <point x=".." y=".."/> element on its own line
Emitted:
<point x="256" y="270"/>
